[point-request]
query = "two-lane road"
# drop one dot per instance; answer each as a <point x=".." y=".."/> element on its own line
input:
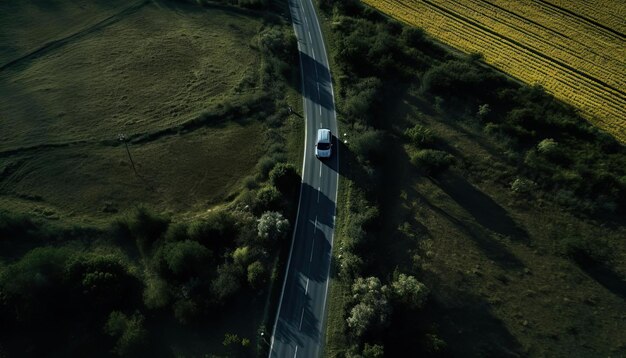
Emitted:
<point x="299" y="325"/>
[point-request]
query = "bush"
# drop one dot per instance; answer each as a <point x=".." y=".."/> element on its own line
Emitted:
<point x="268" y="198"/>
<point x="373" y="351"/>
<point x="183" y="260"/>
<point x="369" y="146"/>
<point x="130" y="333"/>
<point x="256" y="274"/>
<point x="431" y="161"/>
<point x="285" y="177"/>
<point x="462" y="80"/>
<point x="186" y="311"/>
<point x="36" y="285"/>
<point x="371" y="309"/>
<point x="217" y="231"/>
<point x="408" y="291"/>
<point x="227" y="282"/>
<point x="97" y="281"/>
<point x="420" y="136"/>
<point x="265" y="165"/>
<point x="522" y="186"/>
<point x="272" y="226"/>
<point x="176" y="232"/>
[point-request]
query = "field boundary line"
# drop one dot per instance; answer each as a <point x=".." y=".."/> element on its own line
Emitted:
<point x="56" y="44"/>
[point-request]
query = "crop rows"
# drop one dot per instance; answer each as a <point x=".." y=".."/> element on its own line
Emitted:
<point x="579" y="61"/>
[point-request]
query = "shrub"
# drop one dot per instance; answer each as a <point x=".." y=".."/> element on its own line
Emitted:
<point x="268" y="198"/>
<point x="413" y="37"/>
<point x="183" y="259"/>
<point x="217" y="231"/>
<point x="373" y="351"/>
<point x="420" y="136"/>
<point x="242" y="256"/>
<point x="265" y="165"/>
<point x="272" y="226"/>
<point x="369" y="146"/>
<point x="408" y="291"/>
<point x="256" y="274"/>
<point x="547" y="146"/>
<point x="227" y="282"/>
<point x="285" y="177"/>
<point x="431" y="161"/>
<point x="186" y="311"/>
<point x="36" y="284"/>
<point x="522" y="186"/>
<point x="176" y="232"/>
<point x="156" y="293"/>
<point x="371" y="310"/>
<point x="350" y="265"/>
<point x="98" y="279"/>
<point x="130" y="333"/>
<point x="461" y="79"/>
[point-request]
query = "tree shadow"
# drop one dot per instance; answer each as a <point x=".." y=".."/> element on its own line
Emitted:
<point x="493" y="249"/>
<point x="348" y="165"/>
<point x="316" y="85"/>
<point x="603" y="275"/>
<point x="486" y="211"/>
<point x="464" y="321"/>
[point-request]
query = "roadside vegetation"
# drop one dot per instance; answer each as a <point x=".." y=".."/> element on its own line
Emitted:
<point x="168" y="242"/>
<point x="478" y="216"/>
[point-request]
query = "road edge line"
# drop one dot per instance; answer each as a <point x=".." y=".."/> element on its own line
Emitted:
<point x="295" y="227"/>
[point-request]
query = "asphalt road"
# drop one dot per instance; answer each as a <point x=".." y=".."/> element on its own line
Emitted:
<point x="299" y="325"/>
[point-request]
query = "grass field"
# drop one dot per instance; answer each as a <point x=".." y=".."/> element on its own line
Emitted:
<point x="493" y="260"/>
<point x="576" y="50"/>
<point x="76" y="74"/>
<point x="188" y="87"/>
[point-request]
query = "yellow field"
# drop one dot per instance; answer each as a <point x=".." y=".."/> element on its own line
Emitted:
<point x="574" y="49"/>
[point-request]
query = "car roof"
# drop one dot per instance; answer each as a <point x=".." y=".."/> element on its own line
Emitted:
<point x="323" y="133"/>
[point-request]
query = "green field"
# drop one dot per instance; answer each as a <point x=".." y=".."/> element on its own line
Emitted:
<point x="150" y="69"/>
<point x="201" y="100"/>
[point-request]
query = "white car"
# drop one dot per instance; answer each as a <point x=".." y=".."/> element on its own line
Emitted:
<point x="324" y="143"/>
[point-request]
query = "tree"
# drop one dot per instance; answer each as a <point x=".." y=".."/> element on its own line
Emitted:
<point x="227" y="282"/>
<point x="183" y="259"/>
<point x="36" y="285"/>
<point x="242" y="256"/>
<point x="408" y="291"/>
<point x="268" y="198"/>
<point x="285" y="177"/>
<point x="371" y="310"/>
<point x="256" y="274"/>
<point x="129" y="331"/>
<point x="272" y="226"/>
<point x="217" y="231"/>
<point x="373" y="351"/>
<point x="420" y="136"/>
<point x="431" y="161"/>
<point x="185" y="310"/>
<point x="98" y="279"/>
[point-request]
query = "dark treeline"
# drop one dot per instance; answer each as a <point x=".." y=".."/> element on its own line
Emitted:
<point x="68" y="299"/>
<point x="557" y="155"/>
